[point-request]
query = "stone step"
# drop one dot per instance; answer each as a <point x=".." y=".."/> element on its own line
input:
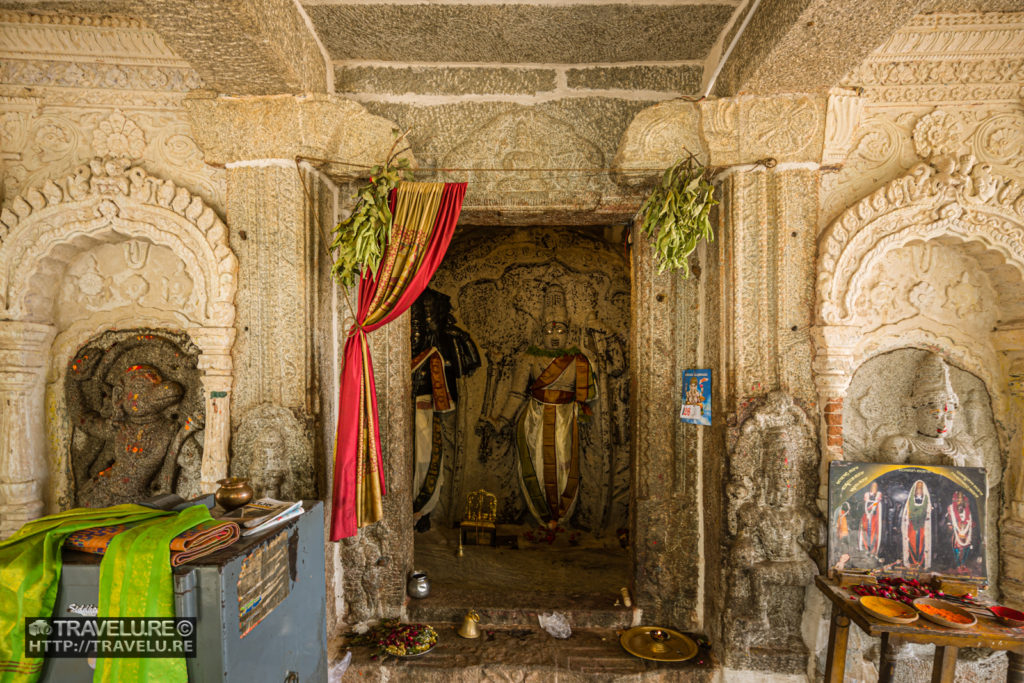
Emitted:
<point x="526" y="655"/>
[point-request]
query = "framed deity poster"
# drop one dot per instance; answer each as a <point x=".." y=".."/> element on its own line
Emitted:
<point x="696" y="397"/>
<point x="908" y="520"/>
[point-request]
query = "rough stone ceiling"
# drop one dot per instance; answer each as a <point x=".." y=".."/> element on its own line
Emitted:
<point x="668" y="37"/>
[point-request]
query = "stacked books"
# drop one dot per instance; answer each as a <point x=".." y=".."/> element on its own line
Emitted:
<point x="263" y="514"/>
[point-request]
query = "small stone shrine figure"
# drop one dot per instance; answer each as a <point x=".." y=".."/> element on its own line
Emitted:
<point x="935" y="406"/>
<point x="442" y="353"/>
<point x="961" y="527"/>
<point x="272" y="449"/>
<point x="916" y="528"/>
<point x="141" y="444"/>
<point x="870" y="537"/>
<point x="772" y="527"/>
<point x="555" y="383"/>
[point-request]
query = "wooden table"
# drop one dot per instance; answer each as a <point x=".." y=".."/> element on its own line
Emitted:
<point x="988" y="632"/>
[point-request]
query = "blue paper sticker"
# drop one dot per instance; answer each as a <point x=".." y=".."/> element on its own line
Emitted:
<point x="696" y="397"/>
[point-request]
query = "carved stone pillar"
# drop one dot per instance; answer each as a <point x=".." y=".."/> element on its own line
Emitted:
<point x="24" y="349"/>
<point x="215" y="364"/>
<point x="1010" y="343"/>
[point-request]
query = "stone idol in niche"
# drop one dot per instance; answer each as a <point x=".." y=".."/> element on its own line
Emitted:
<point x="935" y="406"/>
<point x="773" y="529"/>
<point x="273" y="451"/>
<point x="552" y="385"/>
<point x="136" y="411"/>
<point x="442" y="353"/>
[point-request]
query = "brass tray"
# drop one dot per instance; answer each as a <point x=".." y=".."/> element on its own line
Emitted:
<point x="657" y="643"/>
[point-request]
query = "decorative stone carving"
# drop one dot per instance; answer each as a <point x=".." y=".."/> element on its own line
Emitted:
<point x="656" y="138"/>
<point x="118" y="136"/>
<point x="273" y="451"/>
<point x="90" y="203"/>
<point x="130" y="216"/>
<point x="230" y="129"/>
<point x="525" y="139"/>
<point x="742" y="130"/>
<point x="938" y="134"/>
<point x="136" y="406"/>
<point x="947" y="58"/>
<point x="841" y="120"/>
<point x="935" y="406"/>
<point x="772" y="530"/>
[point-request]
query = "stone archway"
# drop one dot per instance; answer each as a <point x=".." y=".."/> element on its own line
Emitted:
<point x="941" y="218"/>
<point x="42" y="233"/>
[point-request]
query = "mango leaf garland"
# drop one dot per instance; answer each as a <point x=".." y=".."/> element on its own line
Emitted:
<point x="360" y="239"/>
<point x="677" y="213"/>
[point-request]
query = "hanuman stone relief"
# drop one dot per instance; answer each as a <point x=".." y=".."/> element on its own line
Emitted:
<point x="136" y="408"/>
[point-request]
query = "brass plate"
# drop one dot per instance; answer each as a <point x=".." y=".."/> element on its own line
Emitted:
<point x="876" y="606"/>
<point x="659" y="644"/>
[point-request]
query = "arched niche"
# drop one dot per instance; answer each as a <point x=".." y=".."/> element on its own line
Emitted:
<point x="933" y="260"/>
<point x="179" y="274"/>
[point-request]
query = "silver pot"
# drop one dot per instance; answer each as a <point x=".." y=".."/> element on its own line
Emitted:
<point x="418" y="585"/>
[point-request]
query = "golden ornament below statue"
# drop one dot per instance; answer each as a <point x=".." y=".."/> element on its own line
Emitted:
<point x="658" y="643"/>
<point x="469" y="629"/>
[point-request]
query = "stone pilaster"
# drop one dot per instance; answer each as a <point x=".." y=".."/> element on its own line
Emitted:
<point x="215" y="364"/>
<point x="24" y="349"/>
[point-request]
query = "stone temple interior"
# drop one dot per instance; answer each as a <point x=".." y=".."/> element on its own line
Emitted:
<point x="171" y="174"/>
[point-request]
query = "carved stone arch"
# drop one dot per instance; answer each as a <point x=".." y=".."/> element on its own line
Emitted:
<point x="42" y="231"/>
<point x="44" y="227"/>
<point x="953" y="203"/>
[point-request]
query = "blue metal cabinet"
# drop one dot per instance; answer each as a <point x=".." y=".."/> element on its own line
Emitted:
<point x="288" y="645"/>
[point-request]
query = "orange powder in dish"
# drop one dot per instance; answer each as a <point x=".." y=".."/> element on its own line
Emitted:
<point x="945" y="614"/>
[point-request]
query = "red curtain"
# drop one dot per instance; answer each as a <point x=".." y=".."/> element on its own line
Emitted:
<point x="410" y="259"/>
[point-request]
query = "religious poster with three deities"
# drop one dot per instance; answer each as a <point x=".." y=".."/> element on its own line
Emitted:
<point x="696" y="397"/>
<point x="909" y="520"/>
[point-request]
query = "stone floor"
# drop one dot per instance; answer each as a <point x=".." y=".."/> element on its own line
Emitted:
<point x="508" y="586"/>
<point x="526" y="655"/>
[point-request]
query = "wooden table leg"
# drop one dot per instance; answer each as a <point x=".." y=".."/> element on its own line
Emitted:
<point x="944" y="667"/>
<point x="887" y="659"/>
<point x="1015" y="668"/>
<point x="835" y="662"/>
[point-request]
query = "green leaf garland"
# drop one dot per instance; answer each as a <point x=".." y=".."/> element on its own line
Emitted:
<point x="677" y="213"/>
<point x="360" y="239"/>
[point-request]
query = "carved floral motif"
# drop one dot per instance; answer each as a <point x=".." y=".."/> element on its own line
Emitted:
<point x="118" y="136"/>
<point x="937" y="133"/>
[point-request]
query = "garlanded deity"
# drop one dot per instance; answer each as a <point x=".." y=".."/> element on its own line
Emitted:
<point x="870" y="538"/>
<point x="916" y="528"/>
<point x="935" y="406"/>
<point x="442" y="353"/>
<point x="551" y="387"/>
<point x="961" y="528"/>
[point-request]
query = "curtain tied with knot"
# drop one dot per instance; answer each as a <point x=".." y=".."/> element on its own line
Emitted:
<point x="424" y="218"/>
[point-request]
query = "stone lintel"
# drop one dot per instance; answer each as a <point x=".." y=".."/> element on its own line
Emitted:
<point x="808" y="45"/>
<point x="722" y="132"/>
<point x="244" y="47"/>
<point x="318" y="126"/>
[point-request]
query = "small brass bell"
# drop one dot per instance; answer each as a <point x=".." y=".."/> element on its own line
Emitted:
<point x="469" y="628"/>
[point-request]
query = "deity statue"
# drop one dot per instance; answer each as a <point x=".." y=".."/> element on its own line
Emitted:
<point x="551" y="387"/>
<point x="141" y="436"/>
<point x="960" y="524"/>
<point x="772" y="528"/>
<point x="916" y="528"/>
<point x="870" y="537"/>
<point x="442" y="353"/>
<point x="935" y="406"/>
<point x="272" y="449"/>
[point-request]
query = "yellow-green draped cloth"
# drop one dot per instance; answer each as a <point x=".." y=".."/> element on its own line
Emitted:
<point x="135" y="577"/>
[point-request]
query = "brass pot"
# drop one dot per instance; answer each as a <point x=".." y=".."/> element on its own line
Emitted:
<point x="234" y="492"/>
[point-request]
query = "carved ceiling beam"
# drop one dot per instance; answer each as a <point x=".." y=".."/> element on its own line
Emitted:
<point x="808" y="45"/>
<point x="318" y="126"/>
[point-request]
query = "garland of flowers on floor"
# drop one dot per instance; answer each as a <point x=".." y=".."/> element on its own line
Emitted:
<point x="677" y="213"/>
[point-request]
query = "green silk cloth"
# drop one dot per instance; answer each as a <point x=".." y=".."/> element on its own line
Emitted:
<point x="30" y="566"/>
